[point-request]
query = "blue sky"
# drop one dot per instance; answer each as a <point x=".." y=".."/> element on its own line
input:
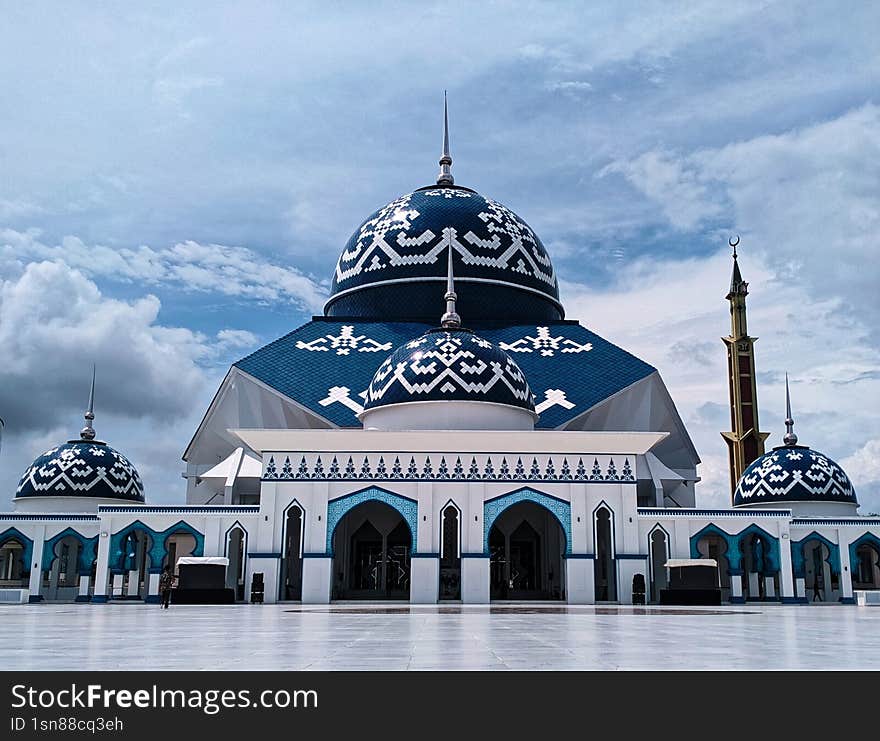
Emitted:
<point x="177" y="182"/>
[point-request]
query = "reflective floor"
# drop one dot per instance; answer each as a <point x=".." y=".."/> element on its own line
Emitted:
<point x="395" y="636"/>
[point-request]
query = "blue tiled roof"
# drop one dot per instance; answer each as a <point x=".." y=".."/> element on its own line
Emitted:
<point x="327" y="364"/>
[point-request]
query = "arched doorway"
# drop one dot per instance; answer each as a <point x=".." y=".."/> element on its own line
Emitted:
<point x="659" y="557"/>
<point x="866" y="570"/>
<point x="291" y="567"/>
<point x="450" y="553"/>
<point x="526" y="545"/>
<point x="236" y="552"/>
<point x="604" y="564"/>
<point x="130" y="575"/>
<point x="372" y="544"/>
<point x="757" y="565"/>
<point x="14" y="562"/>
<point x="177" y="545"/>
<point x="61" y="575"/>
<point x="714" y="546"/>
<point x="821" y="579"/>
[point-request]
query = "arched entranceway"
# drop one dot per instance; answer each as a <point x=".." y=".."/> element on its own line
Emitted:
<point x="821" y="578"/>
<point x="659" y="556"/>
<point x="526" y="547"/>
<point x="130" y="577"/>
<point x="714" y="546"/>
<point x="866" y="569"/>
<point x="291" y="566"/>
<point x="372" y="544"/>
<point x="61" y="575"/>
<point x="450" y="553"/>
<point x="236" y="552"/>
<point x="759" y="568"/>
<point x="604" y="563"/>
<point x="15" y="559"/>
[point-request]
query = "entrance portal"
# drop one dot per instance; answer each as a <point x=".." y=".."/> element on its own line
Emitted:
<point x="371" y="554"/>
<point x="526" y="544"/>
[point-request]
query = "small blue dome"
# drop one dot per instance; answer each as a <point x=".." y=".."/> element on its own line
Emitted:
<point x="501" y="268"/>
<point x="449" y="364"/>
<point x="794" y="473"/>
<point x="82" y="468"/>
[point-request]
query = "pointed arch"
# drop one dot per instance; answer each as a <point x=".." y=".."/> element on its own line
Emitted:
<point x="798" y="559"/>
<point x="88" y="551"/>
<point x="559" y="508"/>
<point x="341" y="506"/>
<point x="450" y="503"/>
<point x="27" y="546"/>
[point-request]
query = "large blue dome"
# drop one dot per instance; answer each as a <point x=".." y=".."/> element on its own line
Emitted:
<point x="82" y="468"/>
<point x="449" y="365"/>
<point x="794" y="473"/>
<point x="501" y="268"/>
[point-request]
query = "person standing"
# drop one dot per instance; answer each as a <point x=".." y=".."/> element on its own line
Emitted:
<point x="166" y="583"/>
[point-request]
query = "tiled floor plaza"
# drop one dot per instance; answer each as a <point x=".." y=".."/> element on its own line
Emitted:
<point x="390" y="636"/>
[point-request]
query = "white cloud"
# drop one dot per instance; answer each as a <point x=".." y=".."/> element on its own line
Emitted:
<point x="805" y="200"/>
<point x="54" y="323"/>
<point x="669" y="312"/>
<point x="215" y="268"/>
<point x="237" y="339"/>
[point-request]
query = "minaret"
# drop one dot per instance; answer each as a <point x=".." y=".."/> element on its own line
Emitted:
<point x="745" y="442"/>
<point x="445" y="176"/>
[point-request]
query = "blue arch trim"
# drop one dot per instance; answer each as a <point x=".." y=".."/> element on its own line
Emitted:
<point x="559" y="508"/>
<point x="158" y="548"/>
<point x="339" y="508"/>
<point x="88" y="551"/>
<point x="798" y="562"/>
<point x="735" y="543"/>
<point x="866" y="539"/>
<point x="12" y="533"/>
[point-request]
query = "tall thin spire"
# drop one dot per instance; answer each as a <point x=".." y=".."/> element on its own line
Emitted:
<point x="451" y="319"/>
<point x="790" y="438"/>
<point x="445" y="176"/>
<point x="88" y="432"/>
<point x="737" y="284"/>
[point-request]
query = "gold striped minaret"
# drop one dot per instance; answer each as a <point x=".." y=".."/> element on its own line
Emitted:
<point x="745" y="441"/>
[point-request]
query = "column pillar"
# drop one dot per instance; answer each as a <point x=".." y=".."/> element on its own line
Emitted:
<point x="83" y="595"/>
<point x="786" y="569"/>
<point x="152" y="596"/>
<point x="117" y="586"/>
<point x="736" y="589"/>
<point x="99" y="593"/>
<point x="770" y="587"/>
<point x="36" y="565"/>
<point x="580" y="588"/>
<point x="754" y="586"/>
<point x="475" y="578"/>
<point x="846" y="582"/>
<point x="801" y="595"/>
<point x="424" y="578"/>
<point x="317" y="578"/>
<point x="134" y="578"/>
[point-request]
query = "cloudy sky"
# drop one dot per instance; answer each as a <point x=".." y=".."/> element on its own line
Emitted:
<point x="176" y="184"/>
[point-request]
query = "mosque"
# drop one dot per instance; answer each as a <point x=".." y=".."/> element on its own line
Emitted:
<point x="444" y="433"/>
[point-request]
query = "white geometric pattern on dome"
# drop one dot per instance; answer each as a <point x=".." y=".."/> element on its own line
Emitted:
<point x="68" y="470"/>
<point x="344" y="343"/>
<point x="772" y="478"/>
<point x="521" y="255"/>
<point x="447" y="366"/>
<point x="545" y="344"/>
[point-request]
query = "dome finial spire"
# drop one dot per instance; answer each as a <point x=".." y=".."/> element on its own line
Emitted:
<point x="450" y="320"/>
<point x="790" y="438"/>
<point x="88" y="432"/>
<point x="445" y="176"/>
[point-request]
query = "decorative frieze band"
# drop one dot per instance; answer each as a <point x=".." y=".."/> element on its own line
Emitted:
<point x="375" y="467"/>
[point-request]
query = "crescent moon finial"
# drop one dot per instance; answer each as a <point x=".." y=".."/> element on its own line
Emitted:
<point x="733" y="243"/>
